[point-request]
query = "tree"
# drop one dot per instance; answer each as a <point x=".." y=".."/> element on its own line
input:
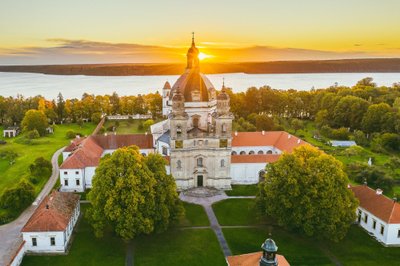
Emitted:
<point x="307" y="191"/>
<point x="263" y="122"/>
<point x="368" y="81"/>
<point x="375" y="117"/>
<point x="61" y="112"/>
<point x="147" y="124"/>
<point x="96" y="117"/>
<point x="390" y="141"/>
<point x="132" y="194"/>
<point x="296" y="124"/>
<point x="19" y="197"/>
<point x="41" y="167"/>
<point x="35" y="119"/>
<point x="349" y="112"/>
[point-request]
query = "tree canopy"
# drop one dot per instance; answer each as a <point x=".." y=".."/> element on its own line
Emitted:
<point x="35" y="120"/>
<point x="307" y="191"/>
<point x="133" y="194"/>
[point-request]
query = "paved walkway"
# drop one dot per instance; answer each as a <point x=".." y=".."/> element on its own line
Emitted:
<point x="10" y="234"/>
<point x="206" y="202"/>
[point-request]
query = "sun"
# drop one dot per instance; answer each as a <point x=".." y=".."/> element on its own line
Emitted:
<point x="203" y="56"/>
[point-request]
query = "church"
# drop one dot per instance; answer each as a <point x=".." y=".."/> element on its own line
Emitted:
<point x="196" y="138"/>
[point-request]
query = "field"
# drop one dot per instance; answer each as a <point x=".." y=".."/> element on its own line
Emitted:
<point x="27" y="152"/>
<point x="125" y="126"/>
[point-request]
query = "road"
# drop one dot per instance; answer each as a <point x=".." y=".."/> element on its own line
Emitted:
<point x="10" y="234"/>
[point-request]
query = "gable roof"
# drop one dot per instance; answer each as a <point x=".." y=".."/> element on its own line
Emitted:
<point x="279" y="139"/>
<point x="74" y="144"/>
<point x="54" y="213"/>
<point x="87" y="153"/>
<point x="111" y="142"/>
<point x="255" y="158"/>
<point x="381" y="206"/>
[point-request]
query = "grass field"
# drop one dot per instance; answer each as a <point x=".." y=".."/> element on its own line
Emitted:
<point x="28" y="152"/>
<point x="243" y="190"/>
<point x="195" y="215"/>
<point x="125" y="126"/>
<point x="237" y="212"/>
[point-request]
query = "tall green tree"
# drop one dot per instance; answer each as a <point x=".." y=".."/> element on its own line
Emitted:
<point x="124" y="195"/>
<point x="35" y="120"/>
<point x="307" y="191"/>
<point x="376" y="117"/>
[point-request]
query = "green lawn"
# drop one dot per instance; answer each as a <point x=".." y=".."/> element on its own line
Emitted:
<point x="297" y="250"/>
<point x="27" y="153"/>
<point x="86" y="249"/>
<point x="195" y="215"/>
<point x="179" y="247"/>
<point x="243" y="190"/>
<point x="125" y="126"/>
<point x="237" y="212"/>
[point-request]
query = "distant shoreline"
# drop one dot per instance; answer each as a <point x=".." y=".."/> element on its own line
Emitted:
<point x="377" y="65"/>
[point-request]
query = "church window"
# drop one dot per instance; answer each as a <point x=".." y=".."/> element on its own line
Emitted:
<point x="52" y="241"/>
<point x="251" y="152"/>
<point x="34" y="241"/>
<point x="242" y="153"/>
<point x="178" y="130"/>
<point x="200" y="162"/>
<point x="223" y="128"/>
<point x="269" y="152"/>
<point x="260" y="152"/>
<point x="164" y="150"/>
<point x="179" y="164"/>
<point x="234" y="153"/>
<point x="222" y="163"/>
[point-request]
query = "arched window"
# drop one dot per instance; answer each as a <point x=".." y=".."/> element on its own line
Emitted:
<point x="269" y="152"/>
<point x="261" y="175"/>
<point x="164" y="150"/>
<point x="179" y="164"/>
<point x="223" y="128"/>
<point x="222" y="163"/>
<point x="195" y="121"/>
<point x="251" y="152"/>
<point x="260" y="152"/>
<point x="234" y="153"/>
<point x="200" y="162"/>
<point x="178" y="130"/>
<point x="242" y="153"/>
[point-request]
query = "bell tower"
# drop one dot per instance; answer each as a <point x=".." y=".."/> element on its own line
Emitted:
<point x="192" y="56"/>
<point x="223" y="121"/>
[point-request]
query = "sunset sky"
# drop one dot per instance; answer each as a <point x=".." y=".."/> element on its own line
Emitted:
<point x="151" y="31"/>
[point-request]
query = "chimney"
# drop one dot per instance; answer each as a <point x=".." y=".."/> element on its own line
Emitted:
<point x="298" y="141"/>
<point x="47" y="206"/>
<point x="395" y="199"/>
<point x="77" y="136"/>
<point x="379" y="191"/>
<point x="263" y="132"/>
<point x="236" y="133"/>
<point x="289" y="136"/>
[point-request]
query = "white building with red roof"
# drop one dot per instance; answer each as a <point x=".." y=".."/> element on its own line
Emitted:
<point x="50" y="227"/>
<point x="378" y="214"/>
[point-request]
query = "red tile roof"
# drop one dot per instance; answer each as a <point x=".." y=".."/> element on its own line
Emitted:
<point x="279" y="139"/>
<point x="255" y="158"/>
<point x="54" y="213"/>
<point x="379" y="205"/>
<point x="74" y="144"/>
<point x="143" y="141"/>
<point x="88" y="153"/>
<point x="252" y="259"/>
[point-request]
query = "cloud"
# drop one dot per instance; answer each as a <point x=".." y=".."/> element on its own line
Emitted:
<point x="66" y="51"/>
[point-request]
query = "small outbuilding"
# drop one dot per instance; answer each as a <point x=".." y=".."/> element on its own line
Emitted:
<point x="342" y="143"/>
<point x="11" y="132"/>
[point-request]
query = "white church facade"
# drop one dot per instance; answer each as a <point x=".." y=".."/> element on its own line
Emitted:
<point x="196" y="138"/>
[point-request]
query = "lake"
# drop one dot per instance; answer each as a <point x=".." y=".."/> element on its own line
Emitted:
<point x="31" y="84"/>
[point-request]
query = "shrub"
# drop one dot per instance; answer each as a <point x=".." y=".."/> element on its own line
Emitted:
<point x="96" y="117"/>
<point x="390" y="141"/>
<point x="340" y="134"/>
<point x="41" y="167"/>
<point x="70" y="134"/>
<point x="32" y="134"/>
<point x="360" y="138"/>
<point x="19" y="197"/>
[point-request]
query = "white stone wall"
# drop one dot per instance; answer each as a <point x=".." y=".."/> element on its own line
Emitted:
<point x="390" y="232"/>
<point x="246" y="173"/>
<point x="89" y="173"/>
<point x="72" y="175"/>
<point x="65" y="155"/>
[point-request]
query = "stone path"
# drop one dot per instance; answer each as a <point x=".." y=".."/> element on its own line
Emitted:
<point x="10" y="234"/>
<point x="129" y="255"/>
<point x="206" y="202"/>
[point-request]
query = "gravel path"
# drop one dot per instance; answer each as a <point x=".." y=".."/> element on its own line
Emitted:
<point x="10" y="234"/>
